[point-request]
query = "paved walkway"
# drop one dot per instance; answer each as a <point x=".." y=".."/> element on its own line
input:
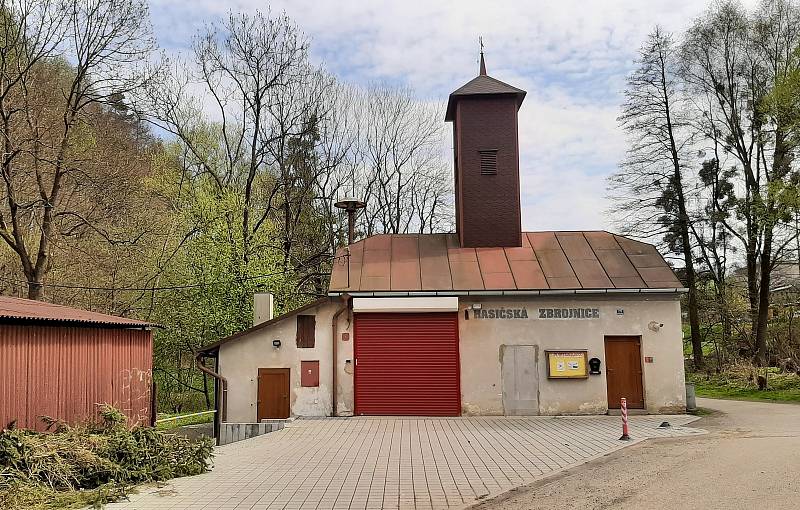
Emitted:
<point x="398" y="463"/>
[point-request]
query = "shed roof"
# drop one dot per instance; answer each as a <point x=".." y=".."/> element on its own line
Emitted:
<point x="19" y="309"/>
<point x="595" y="260"/>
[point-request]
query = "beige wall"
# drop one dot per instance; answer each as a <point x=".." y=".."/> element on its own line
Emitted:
<point x="240" y="360"/>
<point x="481" y="341"/>
<point x="480" y="346"/>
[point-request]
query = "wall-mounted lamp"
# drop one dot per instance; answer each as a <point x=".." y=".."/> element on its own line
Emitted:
<point x="276" y="344"/>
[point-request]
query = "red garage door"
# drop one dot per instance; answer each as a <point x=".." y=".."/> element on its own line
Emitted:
<point x="407" y="364"/>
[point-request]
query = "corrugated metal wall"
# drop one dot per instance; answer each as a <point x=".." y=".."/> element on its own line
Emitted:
<point x="63" y="372"/>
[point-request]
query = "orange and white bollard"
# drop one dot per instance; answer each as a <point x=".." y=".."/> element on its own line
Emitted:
<point x="623" y="406"/>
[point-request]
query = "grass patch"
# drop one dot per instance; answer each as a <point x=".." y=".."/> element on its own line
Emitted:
<point x="183" y="422"/>
<point x="91" y="464"/>
<point x="739" y="383"/>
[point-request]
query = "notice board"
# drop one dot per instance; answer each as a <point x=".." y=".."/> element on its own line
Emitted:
<point x="570" y="364"/>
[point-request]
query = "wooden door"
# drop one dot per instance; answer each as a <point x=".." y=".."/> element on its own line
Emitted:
<point x="624" y="371"/>
<point x="273" y="393"/>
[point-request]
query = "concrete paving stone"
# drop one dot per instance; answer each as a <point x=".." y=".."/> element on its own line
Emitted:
<point x="396" y="463"/>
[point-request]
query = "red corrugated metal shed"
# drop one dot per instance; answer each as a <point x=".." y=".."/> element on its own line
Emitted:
<point x="61" y="362"/>
<point x="593" y="260"/>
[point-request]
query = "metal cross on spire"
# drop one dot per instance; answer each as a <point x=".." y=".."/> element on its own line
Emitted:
<point x="483" y="63"/>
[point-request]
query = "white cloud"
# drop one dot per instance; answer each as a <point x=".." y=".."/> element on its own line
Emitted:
<point x="571" y="56"/>
<point x="568" y="147"/>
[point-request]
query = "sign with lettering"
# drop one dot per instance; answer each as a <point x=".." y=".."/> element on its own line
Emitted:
<point x="569" y="313"/>
<point x="566" y="364"/>
<point x="500" y="313"/>
<point x="543" y="313"/>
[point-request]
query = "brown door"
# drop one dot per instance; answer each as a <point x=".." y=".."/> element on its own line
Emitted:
<point x="273" y="393"/>
<point x="624" y="371"/>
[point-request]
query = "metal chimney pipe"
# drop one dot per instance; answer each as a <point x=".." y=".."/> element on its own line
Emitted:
<point x="351" y="205"/>
<point x="351" y="225"/>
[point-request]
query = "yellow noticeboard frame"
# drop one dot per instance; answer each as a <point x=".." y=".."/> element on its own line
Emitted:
<point x="567" y="364"/>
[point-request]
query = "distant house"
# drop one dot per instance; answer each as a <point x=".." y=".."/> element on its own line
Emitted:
<point x="785" y="277"/>
<point x="784" y="288"/>
<point x="61" y="362"/>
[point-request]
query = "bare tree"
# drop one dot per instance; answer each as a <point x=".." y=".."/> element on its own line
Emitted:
<point x="59" y="61"/>
<point x="336" y="159"/>
<point x="736" y="60"/>
<point x="402" y="175"/>
<point x="241" y="68"/>
<point x="652" y="182"/>
<point x="296" y="117"/>
<point x="263" y="124"/>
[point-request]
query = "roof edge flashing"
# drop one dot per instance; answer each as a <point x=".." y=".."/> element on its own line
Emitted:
<point x="494" y="293"/>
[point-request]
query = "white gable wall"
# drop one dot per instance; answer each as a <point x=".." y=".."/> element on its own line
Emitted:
<point x="240" y="359"/>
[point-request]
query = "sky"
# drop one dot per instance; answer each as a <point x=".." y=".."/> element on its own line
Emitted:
<point x="571" y="56"/>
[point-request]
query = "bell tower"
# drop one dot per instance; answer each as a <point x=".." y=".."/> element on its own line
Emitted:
<point x="486" y="153"/>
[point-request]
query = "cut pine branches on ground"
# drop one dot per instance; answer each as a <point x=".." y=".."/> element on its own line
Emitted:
<point x="92" y="464"/>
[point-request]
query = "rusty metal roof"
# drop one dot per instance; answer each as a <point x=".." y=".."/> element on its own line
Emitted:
<point x="19" y="309"/>
<point x="595" y="260"/>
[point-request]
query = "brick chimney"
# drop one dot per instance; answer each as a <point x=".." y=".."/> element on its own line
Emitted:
<point x="486" y="153"/>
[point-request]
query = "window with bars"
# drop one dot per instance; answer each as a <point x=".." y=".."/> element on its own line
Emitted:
<point x="305" y="331"/>
<point x="488" y="162"/>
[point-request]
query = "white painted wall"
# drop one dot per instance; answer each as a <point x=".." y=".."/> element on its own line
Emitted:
<point x="240" y="359"/>
<point x="481" y="341"/>
<point x="480" y="352"/>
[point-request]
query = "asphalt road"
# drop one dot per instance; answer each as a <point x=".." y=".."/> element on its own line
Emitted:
<point x="749" y="459"/>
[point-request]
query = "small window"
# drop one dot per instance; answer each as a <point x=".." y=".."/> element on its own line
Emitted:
<point x="488" y="162"/>
<point x="305" y="331"/>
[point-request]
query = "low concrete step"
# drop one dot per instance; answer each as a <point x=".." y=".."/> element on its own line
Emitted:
<point x="279" y="420"/>
<point x="233" y="432"/>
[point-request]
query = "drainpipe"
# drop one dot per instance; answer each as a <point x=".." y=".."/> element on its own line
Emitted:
<point x="334" y="321"/>
<point x="223" y="383"/>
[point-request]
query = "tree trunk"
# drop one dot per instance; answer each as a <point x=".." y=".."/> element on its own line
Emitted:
<point x="694" y="320"/>
<point x="691" y="276"/>
<point x="726" y="323"/>
<point x="763" y="302"/>
<point x="35" y="290"/>
<point x="691" y="280"/>
<point x="752" y="293"/>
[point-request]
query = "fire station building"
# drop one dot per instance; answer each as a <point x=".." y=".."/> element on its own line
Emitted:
<point x="489" y="320"/>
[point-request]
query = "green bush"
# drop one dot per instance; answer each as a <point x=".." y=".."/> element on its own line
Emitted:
<point x="91" y="464"/>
